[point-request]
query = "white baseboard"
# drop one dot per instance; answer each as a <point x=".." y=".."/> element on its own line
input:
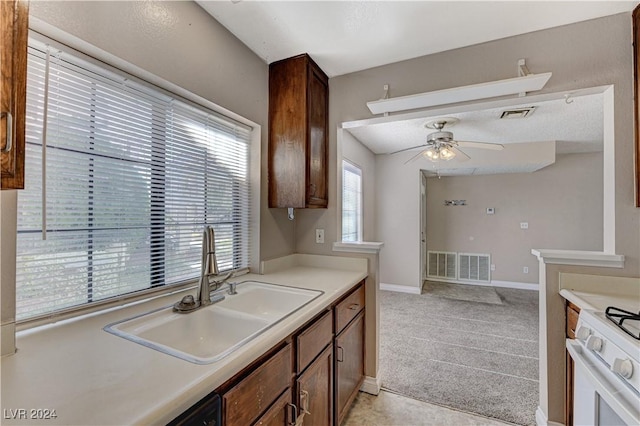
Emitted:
<point x="401" y="288"/>
<point x="371" y="385"/>
<point x="541" y="419"/>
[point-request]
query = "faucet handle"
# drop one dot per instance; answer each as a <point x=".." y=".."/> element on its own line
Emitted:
<point x="232" y="288"/>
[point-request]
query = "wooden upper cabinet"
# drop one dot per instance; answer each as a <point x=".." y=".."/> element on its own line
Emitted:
<point x="298" y="137"/>
<point x="14" y="15"/>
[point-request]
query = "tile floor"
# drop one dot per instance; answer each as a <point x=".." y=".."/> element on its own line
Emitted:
<point x="389" y="409"/>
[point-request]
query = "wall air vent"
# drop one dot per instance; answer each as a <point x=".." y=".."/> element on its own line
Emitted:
<point x="518" y="112"/>
<point x="474" y="267"/>
<point x="441" y="264"/>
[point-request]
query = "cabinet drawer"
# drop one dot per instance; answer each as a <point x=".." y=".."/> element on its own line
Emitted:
<point x="351" y="306"/>
<point x="313" y="340"/>
<point x="572" y="320"/>
<point x="254" y="394"/>
<point x="278" y="414"/>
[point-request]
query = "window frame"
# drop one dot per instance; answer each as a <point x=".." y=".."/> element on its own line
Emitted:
<point x="349" y="166"/>
<point x="115" y="65"/>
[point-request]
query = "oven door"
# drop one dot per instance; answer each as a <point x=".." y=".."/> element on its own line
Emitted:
<point x="600" y="397"/>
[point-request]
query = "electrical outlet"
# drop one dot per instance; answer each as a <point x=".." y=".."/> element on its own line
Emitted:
<point x="320" y="236"/>
<point x="525" y="270"/>
<point x="524" y="225"/>
<point x="493" y="267"/>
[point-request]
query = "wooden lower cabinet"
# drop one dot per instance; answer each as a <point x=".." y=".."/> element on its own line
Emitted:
<point x="315" y="372"/>
<point x="280" y="413"/>
<point x="245" y="402"/>
<point x="349" y="352"/>
<point x="315" y="391"/>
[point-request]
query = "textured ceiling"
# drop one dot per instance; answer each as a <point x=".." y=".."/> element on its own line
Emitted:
<point x="348" y="36"/>
<point x="576" y="127"/>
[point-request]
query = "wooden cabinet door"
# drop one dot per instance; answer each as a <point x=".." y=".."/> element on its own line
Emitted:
<point x="247" y="400"/>
<point x="317" y="150"/>
<point x="349" y="365"/>
<point x="314" y="391"/>
<point x="280" y="412"/>
<point x="14" y="15"/>
<point x="298" y="124"/>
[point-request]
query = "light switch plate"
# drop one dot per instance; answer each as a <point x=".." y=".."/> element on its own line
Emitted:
<point x="320" y="236"/>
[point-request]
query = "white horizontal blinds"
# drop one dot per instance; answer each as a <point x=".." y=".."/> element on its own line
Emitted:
<point x="351" y="202"/>
<point x="197" y="142"/>
<point x="132" y="176"/>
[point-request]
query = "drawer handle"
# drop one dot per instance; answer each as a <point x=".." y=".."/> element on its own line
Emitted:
<point x="354" y="306"/>
<point x="340" y="354"/>
<point x="294" y="410"/>
<point x="9" y="143"/>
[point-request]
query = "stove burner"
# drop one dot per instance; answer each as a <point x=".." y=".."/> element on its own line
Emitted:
<point x="618" y="316"/>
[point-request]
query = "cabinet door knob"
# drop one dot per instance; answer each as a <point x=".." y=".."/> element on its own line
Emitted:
<point x="9" y="133"/>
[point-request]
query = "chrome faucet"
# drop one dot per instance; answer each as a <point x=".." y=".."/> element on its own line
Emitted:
<point x="209" y="265"/>
<point x="208" y="269"/>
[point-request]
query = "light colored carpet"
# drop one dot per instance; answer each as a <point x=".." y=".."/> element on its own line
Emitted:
<point x="479" y="357"/>
<point x="472" y="293"/>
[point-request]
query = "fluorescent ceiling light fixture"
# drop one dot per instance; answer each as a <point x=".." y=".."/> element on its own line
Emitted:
<point x="510" y="86"/>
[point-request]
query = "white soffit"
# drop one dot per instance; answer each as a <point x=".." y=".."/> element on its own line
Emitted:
<point x="347" y="36"/>
<point x="510" y="86"/>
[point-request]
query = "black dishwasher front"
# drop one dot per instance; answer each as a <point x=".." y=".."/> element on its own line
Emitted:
<point x="204" y="412"/>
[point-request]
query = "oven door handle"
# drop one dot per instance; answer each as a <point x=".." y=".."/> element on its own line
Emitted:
<point x="621" y="400"/>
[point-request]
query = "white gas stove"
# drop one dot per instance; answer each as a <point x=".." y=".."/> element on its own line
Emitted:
<point x="607" y="368"/>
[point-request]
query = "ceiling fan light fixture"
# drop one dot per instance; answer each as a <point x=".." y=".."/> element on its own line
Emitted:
<point x="438" y="153"/>
<point x="431" y="154"/>
<point x="447" y="154"/>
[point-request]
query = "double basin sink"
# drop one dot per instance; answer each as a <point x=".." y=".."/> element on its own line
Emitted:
<point x="215" y="331"/>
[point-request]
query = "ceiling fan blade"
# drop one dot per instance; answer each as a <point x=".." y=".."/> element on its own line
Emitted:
<point x="481" y="145"/>
<point x="414" y="158"/>
<point x="462" y="156"/>
<point x="407" y="149"/>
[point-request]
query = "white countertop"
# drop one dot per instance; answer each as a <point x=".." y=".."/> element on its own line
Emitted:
<point x="91" y="377"/>
<point x="596" y="292"/>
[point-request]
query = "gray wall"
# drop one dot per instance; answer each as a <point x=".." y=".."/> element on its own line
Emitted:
<point x="586" y="54"/>
<point x="183" y="44"/>
<point x="562" y="204"/>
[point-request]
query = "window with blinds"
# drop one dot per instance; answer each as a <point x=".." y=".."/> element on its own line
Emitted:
<point x="351" y="202"/>
<point x="121" y="178"/>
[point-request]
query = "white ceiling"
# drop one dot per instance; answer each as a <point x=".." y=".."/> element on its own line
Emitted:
<point x="348" y="36"/>
<point x="576" y="126"/>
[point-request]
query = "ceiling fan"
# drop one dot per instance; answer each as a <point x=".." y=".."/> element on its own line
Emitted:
<point x="440" y="145"/>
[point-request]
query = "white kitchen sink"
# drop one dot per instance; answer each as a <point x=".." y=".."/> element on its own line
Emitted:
<point x="213" y="332"/>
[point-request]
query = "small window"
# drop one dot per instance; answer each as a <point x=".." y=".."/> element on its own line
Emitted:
<point x="351" y="202"/>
